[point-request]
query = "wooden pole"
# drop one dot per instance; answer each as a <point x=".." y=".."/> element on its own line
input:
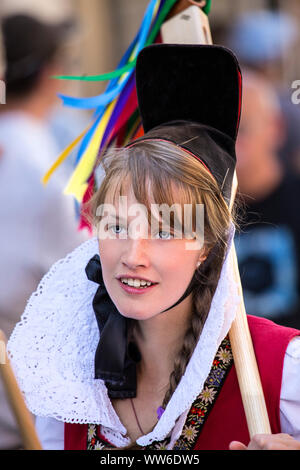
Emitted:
<point x="244" y="356"/>
<point x="239" y="335"/>
<point x="15" y="397"/>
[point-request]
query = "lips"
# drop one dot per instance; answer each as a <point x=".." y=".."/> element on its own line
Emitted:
<point x="129" y="276"/>
<point x="136" y="290"/>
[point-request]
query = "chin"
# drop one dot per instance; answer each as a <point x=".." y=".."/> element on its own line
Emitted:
<point x="136" y="314"/>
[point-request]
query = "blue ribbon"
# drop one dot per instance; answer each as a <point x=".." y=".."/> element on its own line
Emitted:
<point x="114" y="89"/>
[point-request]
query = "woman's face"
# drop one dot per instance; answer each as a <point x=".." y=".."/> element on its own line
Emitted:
<point x="168" y="263"/>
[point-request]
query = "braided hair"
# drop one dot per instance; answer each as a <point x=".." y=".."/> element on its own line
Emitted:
<point x="157" y="167"/>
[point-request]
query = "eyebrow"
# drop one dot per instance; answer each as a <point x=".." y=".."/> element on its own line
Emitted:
<point x="125" y="220"/>
<point x="112" y="215"/>
<point x="117" y="217"/>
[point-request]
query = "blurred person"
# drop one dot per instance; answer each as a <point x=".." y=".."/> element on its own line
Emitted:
<point x="161" y="374"/>
<point x="262" y="40"/>
<point x="38" y="225"/>
<point x="2" y="61"/>
<point x="65" y="124"/>
<point x="29" y="84"/>
<point x="268" y="247"/>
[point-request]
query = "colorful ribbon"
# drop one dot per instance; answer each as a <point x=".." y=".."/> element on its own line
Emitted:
<point x="116" y="119"/>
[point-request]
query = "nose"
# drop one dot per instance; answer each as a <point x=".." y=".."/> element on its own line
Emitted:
<point x="136" y="254"/>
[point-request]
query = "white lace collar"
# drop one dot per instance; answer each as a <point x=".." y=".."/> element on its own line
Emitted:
<point x="52" y="348"/>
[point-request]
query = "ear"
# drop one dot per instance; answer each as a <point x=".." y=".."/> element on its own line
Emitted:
<point x="202" y="257"/>
<point x="201" y="260"/>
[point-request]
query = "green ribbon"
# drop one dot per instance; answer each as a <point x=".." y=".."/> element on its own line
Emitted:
<point x="207" y="7"/>
<point x="126" y="68"/>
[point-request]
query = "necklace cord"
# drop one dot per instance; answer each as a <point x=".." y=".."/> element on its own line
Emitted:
<point x="135" y="414"/>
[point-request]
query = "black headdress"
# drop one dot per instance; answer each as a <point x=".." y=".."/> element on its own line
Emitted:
<point x="189" y="95"/>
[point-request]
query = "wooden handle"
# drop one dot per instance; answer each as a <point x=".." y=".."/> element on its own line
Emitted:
<point x="247" y="373"/>
<point x="239" y="335"/>
<point x="15" y="397"/>
<point x="244" y="356"/>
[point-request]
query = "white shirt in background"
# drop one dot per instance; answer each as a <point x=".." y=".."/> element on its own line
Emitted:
<point x="38" y="226"/>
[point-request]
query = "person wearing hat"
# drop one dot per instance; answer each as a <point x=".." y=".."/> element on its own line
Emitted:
<point x="38" y="225"/>
<point x="264" y="42"/>
<point x="161" y="374"/>
<point x="269" y="241"/>
<point x="33" y="52"/>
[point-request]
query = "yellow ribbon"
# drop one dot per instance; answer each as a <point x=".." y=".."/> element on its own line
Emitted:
<point x="77" y="184"/>
<point x="63" y="156"/>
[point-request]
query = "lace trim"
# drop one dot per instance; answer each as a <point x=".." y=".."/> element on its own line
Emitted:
<point x="112" y="437"/>
<point x="52" y="348"/>
<point x="202" y="406"/>
<point x="222" y="312"/>
<point x="197" y="414"/>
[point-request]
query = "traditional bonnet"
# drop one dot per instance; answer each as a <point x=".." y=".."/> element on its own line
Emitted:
<point x="182" y="100"/>
<point x="190" y="96"/>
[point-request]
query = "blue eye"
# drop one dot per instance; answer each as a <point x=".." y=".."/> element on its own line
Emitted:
<point x="116" y="228"/>
<point x="163" y="235"/>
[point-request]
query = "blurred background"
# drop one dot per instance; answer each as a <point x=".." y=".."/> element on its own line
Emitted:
<point x="105" y="28"/>
<point x="87" y="37"/>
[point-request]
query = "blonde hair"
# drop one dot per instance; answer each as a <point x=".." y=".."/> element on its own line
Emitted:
<point x="163" y="172"/>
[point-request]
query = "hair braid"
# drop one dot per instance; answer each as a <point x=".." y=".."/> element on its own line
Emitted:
<point x="207" y="276"/>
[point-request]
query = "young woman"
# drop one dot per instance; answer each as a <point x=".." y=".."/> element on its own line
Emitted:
<point x="159" y="288"/>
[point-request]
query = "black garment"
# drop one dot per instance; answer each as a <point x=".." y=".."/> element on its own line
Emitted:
<point x="290" y="148"/>
<point x="268" y="250"/>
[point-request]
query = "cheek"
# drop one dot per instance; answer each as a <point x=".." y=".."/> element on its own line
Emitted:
<point x="179" y="262"/>
<point x="109" y="256"/>
<point x="170" y="263"/>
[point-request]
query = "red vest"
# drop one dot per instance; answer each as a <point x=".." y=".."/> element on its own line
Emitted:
<point x="226" y="421"/>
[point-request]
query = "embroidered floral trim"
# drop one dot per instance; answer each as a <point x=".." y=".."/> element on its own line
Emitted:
<point x="203" y="404"/>
<point x="95" y="441"/>
<point x="197" y="415"/>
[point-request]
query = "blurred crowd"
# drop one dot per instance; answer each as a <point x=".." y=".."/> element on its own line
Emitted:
<point x="268" y="170"/>
<point x="39" y="226"/>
